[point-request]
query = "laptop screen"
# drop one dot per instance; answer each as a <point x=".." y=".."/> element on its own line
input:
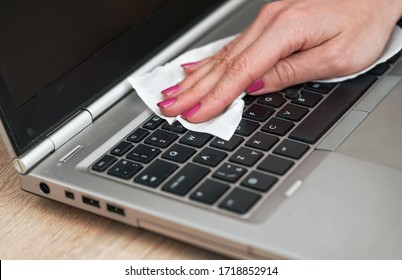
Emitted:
<point x="58" y="56"/>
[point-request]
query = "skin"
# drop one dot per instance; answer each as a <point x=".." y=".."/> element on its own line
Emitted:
<point x="290" y="42"/>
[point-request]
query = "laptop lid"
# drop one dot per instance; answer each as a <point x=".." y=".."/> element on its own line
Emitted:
<point x="56" y="57"/>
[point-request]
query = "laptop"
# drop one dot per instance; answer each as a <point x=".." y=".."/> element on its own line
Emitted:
<point x="312" y="172"/>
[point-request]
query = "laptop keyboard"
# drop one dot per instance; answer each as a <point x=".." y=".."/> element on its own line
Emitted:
<point x="276" y="133"/>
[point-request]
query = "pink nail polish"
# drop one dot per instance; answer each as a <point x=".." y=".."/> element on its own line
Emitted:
<point x="191" y="111"/>
<point x="188" y="64"/>
<point x="255" y="85"/>
<point x="166" y="103"/>
<point x="170" y="90"/>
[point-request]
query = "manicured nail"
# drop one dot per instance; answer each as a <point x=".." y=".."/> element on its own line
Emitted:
<point x="170" y="90"/>
<point x="166" y="103"/>
<point x="188" y="64"/>
<point x="254" y="86"/>
<point x="191" y="111"/>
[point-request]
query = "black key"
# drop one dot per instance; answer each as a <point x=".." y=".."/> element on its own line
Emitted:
<point x="175" y="127"/>
<point x="292" y="92"/>
<point x="248" y="99"/>
<point x="229" y="172"/>
<point x="195" y="139"/>
<point x="331" y="109"/>
<point x="137" y="135"/>
<point x="258" y="113"/>
<point x="121" y="148"/>
<point x="275" y="100"/>
<point x="210" y="157"/>
<point x="153" y="122"/>
<point x="277" y="126"/>
<point x="292" y="112"/>
<point x="160" y="138"/>
<point x="103" y="164"/>
<point x="155" y="173"/>
<point x="178" y="153"/>
<point x="239" y="201"/>
<point x="395" y="58"/>
<point x="307" y="99"/>
<point x="323" y="88"/>
<point x="209" y="192"/>
<point x="143" y="153"/>
<point x="275" y="165"/>
<point x="262" y="141"/>
<point x="246" y="156"/>
<point x="291" y="149"/>
<point x="380" y="69"/>
<point x="184" y="180"/>
<point x="124" y="169"/>
<point x="230" y="145"/>
<point x="246" y="127"/>
<point x="259" y="181"/>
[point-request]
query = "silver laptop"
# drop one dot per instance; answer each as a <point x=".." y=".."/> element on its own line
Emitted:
<point x="312" y="172"/>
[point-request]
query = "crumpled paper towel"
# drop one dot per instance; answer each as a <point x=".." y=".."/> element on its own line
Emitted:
<point x="149" y="86"/>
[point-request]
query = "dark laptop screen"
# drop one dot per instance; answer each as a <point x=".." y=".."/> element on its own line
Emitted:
<point x="57" y="56"/>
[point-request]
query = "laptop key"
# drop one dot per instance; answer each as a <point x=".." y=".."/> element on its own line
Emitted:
<point x="155" y="173"/>
<point x="246" y="156"/>
<point x="195" y="139"/>
<point x="277" y="126"/>
<point x="230" y="145"/>
<point x="210" y="157"/>
<point x="246" y="127"/>
<point x="121" y="148"/>
<point x="209" y="192"/>
<point x="161" y="139"/>
<point x="153" y="122"/>
<point x="275" y="100"/>
<point x="275" y="165"/>
<point x="262" y="141"/>
<point x="229" y="172"/>
<point x="258" y="112"/>
<point x="323" y="88"/>
<point x="178" y="153"/>
<point x="248" y="99"/>
<point x="331" y="109"/>
<point x="239" y="201"/>
<point x="292" y="112"/>
<point x="175" y="127"/>
<point x="184" y="180"/>
<point x="104" y="163"/>
<point x="291" y="149"/>
<point x="307" y="99"/>
<point x="259" y="181"/>
<point x="124" y="169"/>
<point x="143" y="153"/>
<point x="137" y="135"/>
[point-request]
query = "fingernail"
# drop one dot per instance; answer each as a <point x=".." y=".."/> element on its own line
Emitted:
<point x="170" y="90"/>
<point x="188" y="64"/>
<point x="254" y="86"/>
<point x="191" y="111"/>
<point x="166" y="103"/>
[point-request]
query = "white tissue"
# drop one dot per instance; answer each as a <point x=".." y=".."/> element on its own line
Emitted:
<point x="149" y="86"/>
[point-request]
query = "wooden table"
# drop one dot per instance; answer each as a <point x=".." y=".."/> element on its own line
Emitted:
<point x="32" y="227"/>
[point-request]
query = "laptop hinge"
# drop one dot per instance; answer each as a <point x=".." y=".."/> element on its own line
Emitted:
<point x="54" y="141"/>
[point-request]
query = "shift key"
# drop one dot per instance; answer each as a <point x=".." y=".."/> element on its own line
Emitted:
<point x="185" y="179"/>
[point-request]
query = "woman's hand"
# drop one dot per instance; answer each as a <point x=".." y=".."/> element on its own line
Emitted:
<point x="290" y="42"/>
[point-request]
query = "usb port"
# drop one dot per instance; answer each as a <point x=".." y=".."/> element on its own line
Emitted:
<point x="69" y="195"/>
<point x="115" y="209"/>
<point x="91" y="201"/>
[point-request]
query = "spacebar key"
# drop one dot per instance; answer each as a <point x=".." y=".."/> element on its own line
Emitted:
<point x="331" y="109"/>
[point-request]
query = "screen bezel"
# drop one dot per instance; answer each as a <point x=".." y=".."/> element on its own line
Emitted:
<point x="28" y="124"/>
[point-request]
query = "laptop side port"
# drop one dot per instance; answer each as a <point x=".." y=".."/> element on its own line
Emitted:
<point x="91" y="201"/>
<point x="115" y="209"/>
<point x="69" y="195"/>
